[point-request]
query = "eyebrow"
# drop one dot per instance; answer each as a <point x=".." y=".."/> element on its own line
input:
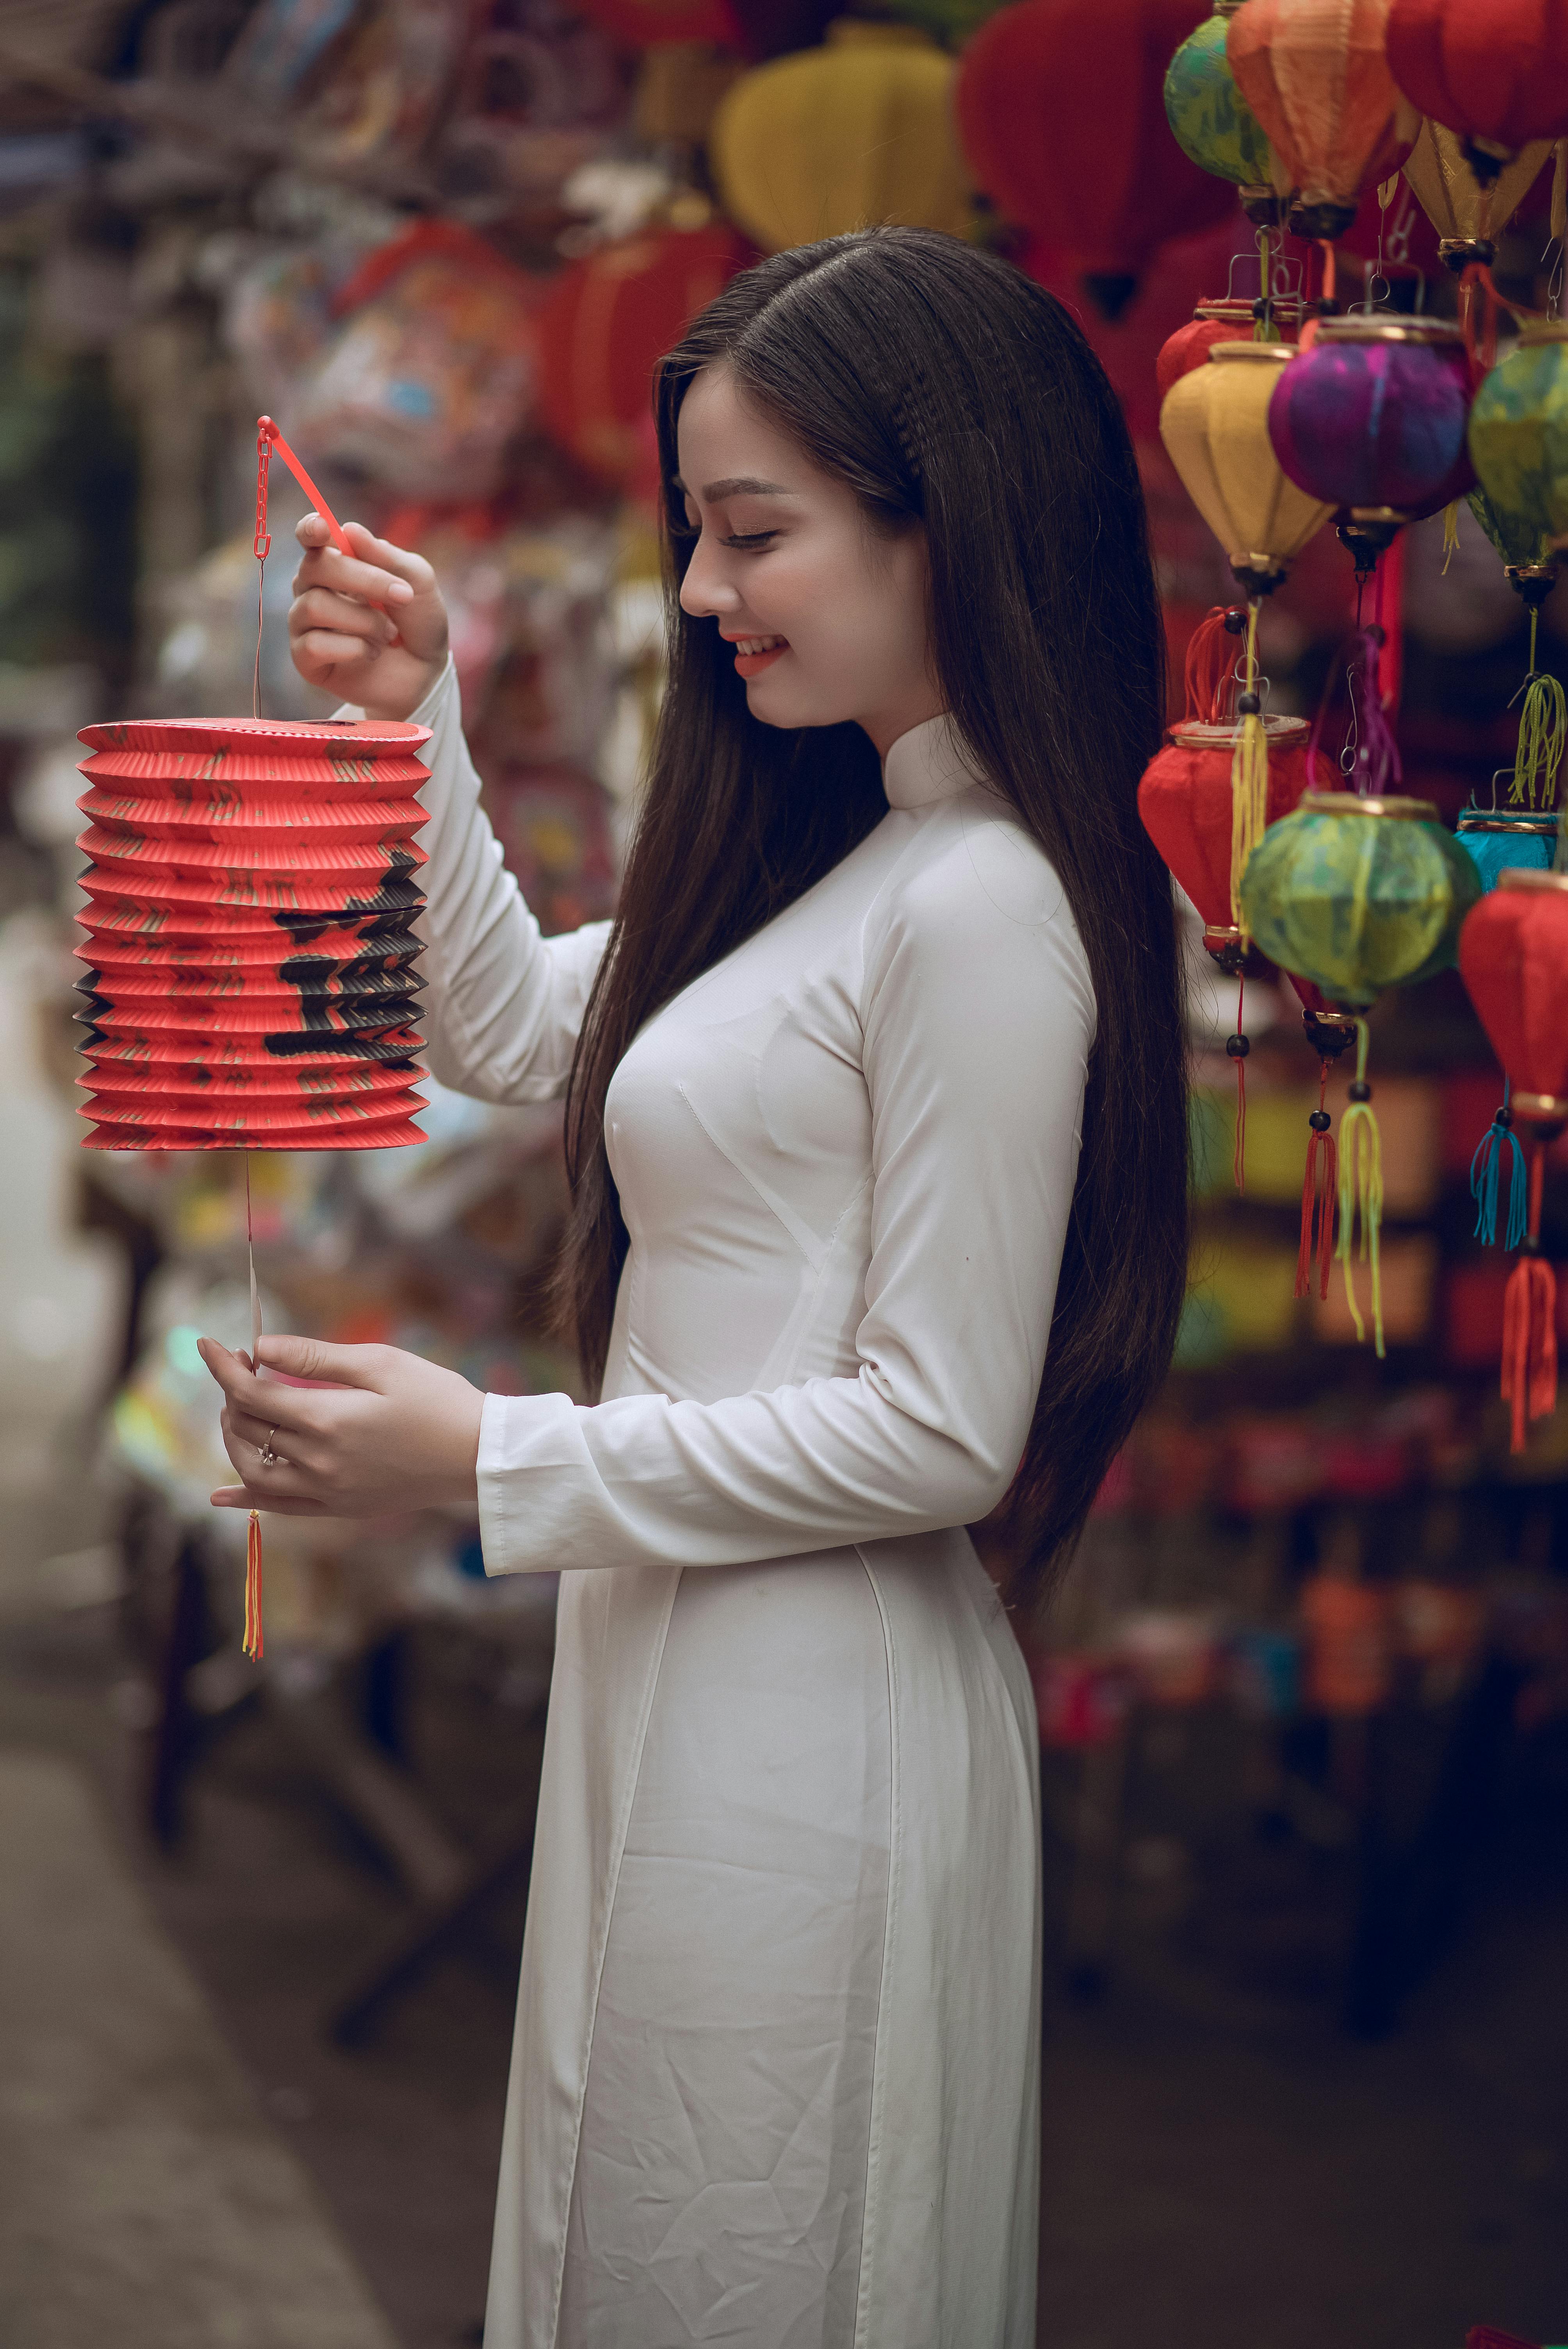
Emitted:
<point x="738" y="485"/>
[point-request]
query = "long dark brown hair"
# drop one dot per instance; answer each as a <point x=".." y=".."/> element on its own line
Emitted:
<point x="951" y="393"/>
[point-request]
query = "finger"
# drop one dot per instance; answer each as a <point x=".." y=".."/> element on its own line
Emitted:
<point x="288" y="1406"/>
<point x="237" y="1496"/>
<point x="286" y="1478"/>
<point x="377" y="571"/>
<point x="339" y="1366"/>
<point x="299" y="1450"/>
<point x="323" y="607"/>
<point x="326" y="651"/>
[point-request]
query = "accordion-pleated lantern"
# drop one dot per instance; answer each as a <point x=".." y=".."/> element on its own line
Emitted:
<point x="251" y="952"/>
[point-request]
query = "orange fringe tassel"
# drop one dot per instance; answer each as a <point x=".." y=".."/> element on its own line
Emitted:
<point x="1530" y="1324"/>
<point x="1318" y="1193"/>
<point x="253" y="1641"/>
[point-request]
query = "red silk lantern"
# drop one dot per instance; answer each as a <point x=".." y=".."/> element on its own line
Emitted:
<point x="1494" y="72"/>
<point x="1313" y="72"/>
<point x="1185" y="801"/>
<point x="251" y="953"/>
<point x="609" y="319"/>
<point x="1062" y="117"/>
<point x="1211" y="323"/>
<point x="1513" y="958"/>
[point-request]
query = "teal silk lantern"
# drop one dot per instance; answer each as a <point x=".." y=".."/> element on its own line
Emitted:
<point x="1498" y="843"/>
<point x="1211" y="121"/>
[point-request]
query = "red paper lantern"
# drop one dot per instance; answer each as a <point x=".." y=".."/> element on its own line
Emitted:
<point x="1494" y="72"/>
<point x="1062" y="115"/>
<point x="609" y="319"/>
<point x="1185" y="799"/>
<point x="1313" y="72"/>
<point x="1211" y="323"/>
<point x="1513" y="957"/>
<point x="250" y="951"/>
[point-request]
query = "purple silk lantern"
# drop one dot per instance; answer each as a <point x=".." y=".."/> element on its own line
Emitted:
<point x="1372" y="418"/>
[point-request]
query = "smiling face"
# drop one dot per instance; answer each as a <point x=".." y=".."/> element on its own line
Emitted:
<point x="828" y="616"/>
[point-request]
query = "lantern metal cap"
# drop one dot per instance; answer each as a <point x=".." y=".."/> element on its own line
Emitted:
<point x="1272" y="354"/>
<point x="1201" y="733"/>
<point x="1542" y="330"/>
<point x="1401" y="811"/>
<point x="1517" y="878"/>
<point x="1536" y="826"/>
<point x="1372" y="327"/>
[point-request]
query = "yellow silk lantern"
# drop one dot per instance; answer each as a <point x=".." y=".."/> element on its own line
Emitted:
<point x="1465" y="215"/>
<point x="858" y="131"/>
<point x="1214" y="423"/>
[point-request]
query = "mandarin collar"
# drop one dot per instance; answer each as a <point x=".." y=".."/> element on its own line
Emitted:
<point x="930" y="761"/>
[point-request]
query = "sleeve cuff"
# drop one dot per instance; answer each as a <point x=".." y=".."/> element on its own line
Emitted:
<point x="532" y="1463"/>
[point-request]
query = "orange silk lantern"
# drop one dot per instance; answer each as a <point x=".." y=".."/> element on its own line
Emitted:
<point x="609" y="319"/>
<point x="1313" y="72"/>
<point x="1061" y="113"/>
<point x="1494" y="72"/>
<point x="1513" y="958"/>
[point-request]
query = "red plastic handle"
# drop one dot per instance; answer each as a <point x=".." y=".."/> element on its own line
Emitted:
<point x="269" y="431"/>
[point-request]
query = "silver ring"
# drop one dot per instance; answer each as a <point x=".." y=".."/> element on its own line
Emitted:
<point x="269" y="1458"/>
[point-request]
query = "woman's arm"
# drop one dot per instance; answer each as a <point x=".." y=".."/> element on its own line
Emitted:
<point x="503" y="1005"/>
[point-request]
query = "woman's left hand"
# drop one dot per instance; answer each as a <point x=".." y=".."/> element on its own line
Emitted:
<point x="389" y="1433"/>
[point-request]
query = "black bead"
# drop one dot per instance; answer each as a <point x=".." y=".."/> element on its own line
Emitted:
<point x="1360" y="1090"/>
<point x="1236" y="620"/>
<point x="1320" y="1121"/>
<point x="1248" y="706"/>
<point x="1238" y="1048"/>
<point x="1503" y="1118"/>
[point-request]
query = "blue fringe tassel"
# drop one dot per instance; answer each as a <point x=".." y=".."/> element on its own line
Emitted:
<point x="1486" y="1169"/>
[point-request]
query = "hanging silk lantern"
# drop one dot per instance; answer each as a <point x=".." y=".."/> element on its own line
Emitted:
<point x="1217" y="322"/>
<point x="835" y="138"/>
<point x="1491" y="72"/>
<point x="1519" y="438"/>
<point x="1058" y="109"/>
<point x="1497" y="844"/>
<point x="1372" y="418"/>
<point x="1314" y="74"/>
<point x="1185" y="802"/>
<point x="1513" y="958"/>
<point x="1358" y="895"/>
<point x="1214" y="424"/>
<point x="1467" y="213"/>
<point x="250" y="954"/>
<point x="1211" y="119"/>
<point x="608" y="320"/>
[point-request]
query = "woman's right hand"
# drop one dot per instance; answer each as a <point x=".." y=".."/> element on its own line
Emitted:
<point x="371" y="630"/>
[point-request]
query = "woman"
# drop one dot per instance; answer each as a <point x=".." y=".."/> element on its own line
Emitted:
<point x="875" y="1086"/>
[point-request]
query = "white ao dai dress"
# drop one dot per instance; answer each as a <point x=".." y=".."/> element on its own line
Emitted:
<point x="777" y="2058"/>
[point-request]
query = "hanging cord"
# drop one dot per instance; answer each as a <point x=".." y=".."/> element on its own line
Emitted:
<point x="1529" y="1321"/>
<point x="1485" y="1171"/>
<point x="1249" y="773"/>
<point x="252" y="1643"/>
<point x="1317" y="1198"/>
<point x="1478" y="307"/>
<point x="1361" y="1192"/>
<point x="1238" y="1048"/>
<point x="1450" y="533"/>
<point x="1542" y="732"/>
<point x="261" y="547"/>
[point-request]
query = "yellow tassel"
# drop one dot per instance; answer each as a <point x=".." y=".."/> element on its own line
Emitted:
<point x="1450" y="532"/>
<point x="1249" y="780"/>
<point x="253" y="1640"/>
<point x="1542" y="731"/>
<point x="1361" y="1192"/>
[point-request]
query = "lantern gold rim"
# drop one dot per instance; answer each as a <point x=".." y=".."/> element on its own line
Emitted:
<point x="1536" y="826"/>
<point x="1332" y="1015"/>
<point x="1541" y="331"/>
<point x="1437" y="332"/>
<point x="1274" y="354"/>
<point x="1396" y="809"/>
<point x="1201" y="733"/>
<point x="1517" y="878"/>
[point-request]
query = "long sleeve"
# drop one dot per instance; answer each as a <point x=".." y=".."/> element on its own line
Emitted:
<point x="975" y="1018"/>
<point x="502" y="1005"/>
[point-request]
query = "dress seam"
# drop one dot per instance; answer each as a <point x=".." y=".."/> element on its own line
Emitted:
<point x="863" y="2295"/>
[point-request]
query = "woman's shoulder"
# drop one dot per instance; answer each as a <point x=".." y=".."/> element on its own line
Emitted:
<point x="970" y="863"/>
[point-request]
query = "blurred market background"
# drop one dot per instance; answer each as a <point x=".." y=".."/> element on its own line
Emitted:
<point x="1304" y="1698"/>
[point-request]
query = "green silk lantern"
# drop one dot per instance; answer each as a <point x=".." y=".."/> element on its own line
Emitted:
<point x="1211" y="121"/>
<point x="1519" y="444"/>
<point x="1357" y="894"/>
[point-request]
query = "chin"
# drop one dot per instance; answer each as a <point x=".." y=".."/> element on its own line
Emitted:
<point x="787" y="708"/>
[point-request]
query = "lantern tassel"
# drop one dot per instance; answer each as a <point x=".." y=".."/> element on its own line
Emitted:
<point x="1485" y="1171"/>
<point x="1530" y="1323"/>
<point x="1317" y="1190"/>
<point x="1238" y="1049"/>
<point x="1248" y="773"/>
<point x="251" y="1642"/>
<point x="1542" y="732"/>
<point x="1211" y="664"/>
<point x="1361" y="1192"/>
<point x="1450" y="533"/>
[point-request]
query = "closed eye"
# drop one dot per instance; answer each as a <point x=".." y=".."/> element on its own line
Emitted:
<point x="750" y="538"/>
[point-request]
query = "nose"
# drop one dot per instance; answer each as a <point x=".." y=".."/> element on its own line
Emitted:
<point x="706" y="592"/>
